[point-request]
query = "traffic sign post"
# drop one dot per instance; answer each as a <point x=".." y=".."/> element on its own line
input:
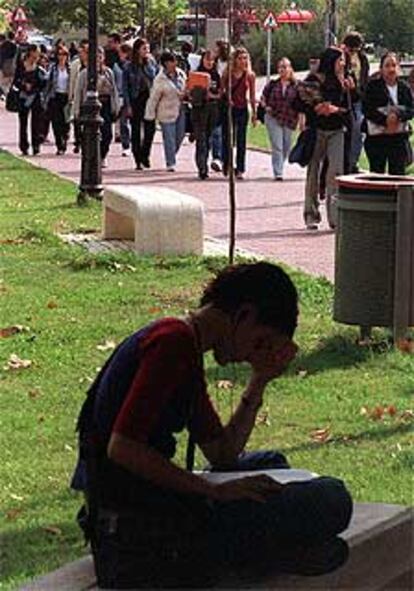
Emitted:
<point x="270" y="23"/>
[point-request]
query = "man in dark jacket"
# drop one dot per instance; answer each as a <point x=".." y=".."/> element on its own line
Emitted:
<point x="8" y="50"/>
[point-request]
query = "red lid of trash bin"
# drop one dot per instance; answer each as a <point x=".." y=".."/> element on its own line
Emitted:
<point x="368" y="180"/>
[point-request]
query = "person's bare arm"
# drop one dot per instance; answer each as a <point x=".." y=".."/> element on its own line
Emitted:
<point x="147" y="463"/>
<point x="252" y="96"/>
<point x="268" y="365"/>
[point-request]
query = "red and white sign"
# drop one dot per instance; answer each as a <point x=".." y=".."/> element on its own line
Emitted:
<point x="270" y="21"/>
<point x="19" y="16"/>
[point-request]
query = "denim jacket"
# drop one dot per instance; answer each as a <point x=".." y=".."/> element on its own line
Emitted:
<point x="137" y="81"/>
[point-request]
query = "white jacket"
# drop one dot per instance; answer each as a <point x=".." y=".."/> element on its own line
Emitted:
<point x="164" y="102"/>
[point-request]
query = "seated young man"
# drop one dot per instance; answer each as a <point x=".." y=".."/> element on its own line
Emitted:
<point x="155" y="524"/>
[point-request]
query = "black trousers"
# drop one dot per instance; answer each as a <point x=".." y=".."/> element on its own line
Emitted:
<point x="204" y="120"/>
<point x="141" y="146"/>
<point x="57" y="116"/>
<point x="77" y="133"/>
<point x="382" y="150"/>
<point x="36" y="125"/>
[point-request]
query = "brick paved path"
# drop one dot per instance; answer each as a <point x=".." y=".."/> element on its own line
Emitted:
<point x="269" y="218"/>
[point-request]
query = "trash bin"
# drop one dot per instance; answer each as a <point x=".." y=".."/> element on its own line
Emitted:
<point x="374" y="252"/>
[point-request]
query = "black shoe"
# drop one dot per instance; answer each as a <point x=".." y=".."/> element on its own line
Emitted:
<point x="145" y="162"/>
<point x="138" y="167"/>
<point x="76" y="150"/>
<point x="24" y="153"/>
<point x="36" y="151"/>
<point x="203" y="176"/>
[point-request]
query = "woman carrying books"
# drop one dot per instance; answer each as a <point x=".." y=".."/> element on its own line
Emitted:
<point x="388" y="107"/>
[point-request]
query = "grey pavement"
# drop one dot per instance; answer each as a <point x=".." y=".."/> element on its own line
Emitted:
<point x="269" y="214"/>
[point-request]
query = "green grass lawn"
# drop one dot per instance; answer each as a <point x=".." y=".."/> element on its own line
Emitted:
<point x="71" y="303"/>
<point x="257" y="137"/>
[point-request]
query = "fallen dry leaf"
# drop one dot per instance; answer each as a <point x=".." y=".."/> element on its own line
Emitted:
<point x="263" y="418"/>
<point x="302" y="373"/>
<point x="406" y="346"/>
<point x="15" y="362"/>
<point x="321" y="435"/>
<point x="107" y="346"/>
<point x="225" y="385"/>
<point x="12" y="241"/>
<point x="34" y="392"/>
<point x="407" y="415"/>
<point x="52" y="529"/>
<point x="52" y="304"/>
<point x="154" y="310"/>
<point x="9" y="331"/>
<point x="16" y="497"/>
<point x="12" y="514"/>
<point x="379" y="412"/>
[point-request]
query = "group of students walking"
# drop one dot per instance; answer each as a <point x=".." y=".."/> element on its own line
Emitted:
<point x="338" y="101"/>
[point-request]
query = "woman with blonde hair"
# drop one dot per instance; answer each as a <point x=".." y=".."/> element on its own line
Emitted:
<point x="242" y="86"/>
<point x="281" y="118"/>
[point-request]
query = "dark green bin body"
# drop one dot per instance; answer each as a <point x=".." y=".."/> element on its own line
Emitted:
<point x="365" y="255"/>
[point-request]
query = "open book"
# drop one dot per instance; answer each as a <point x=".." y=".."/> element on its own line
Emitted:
<point x="282" y="476"/>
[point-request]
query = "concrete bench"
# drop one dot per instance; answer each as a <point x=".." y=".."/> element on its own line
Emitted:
<point x="380" y="538"/>
<point x="159" y="220"/>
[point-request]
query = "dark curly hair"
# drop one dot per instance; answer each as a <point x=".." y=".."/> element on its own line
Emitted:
<point x="264" y="285"/>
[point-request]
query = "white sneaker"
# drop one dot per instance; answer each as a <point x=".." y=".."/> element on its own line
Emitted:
<point x="216" y="166"/>
<point x="126" y="153"/>
<point x="104" y="163"/>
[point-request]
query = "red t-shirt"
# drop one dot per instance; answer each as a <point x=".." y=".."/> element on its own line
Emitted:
<point x="168" y="367"/>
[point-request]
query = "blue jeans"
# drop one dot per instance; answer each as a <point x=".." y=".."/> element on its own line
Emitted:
<point x="172" y="137"/>
<point x="216" y="142"/>
<point x="176" y="540"/>
<point x="280" y="140"/>
<point x="357" y="136"/>
<point x="240" y="119"/>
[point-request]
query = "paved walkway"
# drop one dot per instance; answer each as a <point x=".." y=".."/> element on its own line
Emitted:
<point x="269" y="214"/>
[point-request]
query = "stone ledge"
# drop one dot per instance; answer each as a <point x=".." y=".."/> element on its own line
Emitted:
<point x="381" y="544"/>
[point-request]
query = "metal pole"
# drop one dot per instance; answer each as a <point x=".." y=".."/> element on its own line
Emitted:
<point x="331" y="23"/>
<point x="197" y="17"/>
<point x="142" y="18"/>
<point x="229" y="123"/>
<point x="91" y="173"/>
<point x="269" y="53"/>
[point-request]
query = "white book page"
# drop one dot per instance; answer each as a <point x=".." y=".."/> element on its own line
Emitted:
<point x="282" y="476"/>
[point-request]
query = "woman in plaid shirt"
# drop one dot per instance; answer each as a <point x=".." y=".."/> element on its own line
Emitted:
<point x="279" y="98"/>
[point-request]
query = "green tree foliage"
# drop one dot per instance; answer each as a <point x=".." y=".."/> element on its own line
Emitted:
<point x="51" y="15"/>
<point x="296" y="43"/>
<point x="389" y="23"/>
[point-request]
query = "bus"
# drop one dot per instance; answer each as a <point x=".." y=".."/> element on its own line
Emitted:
<point x="186" y="27"/>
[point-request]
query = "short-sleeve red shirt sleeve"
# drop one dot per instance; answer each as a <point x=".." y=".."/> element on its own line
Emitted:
<point x="167" y="362"/>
